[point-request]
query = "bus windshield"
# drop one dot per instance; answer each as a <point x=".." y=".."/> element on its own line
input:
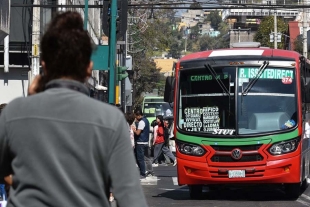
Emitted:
<point x="270" y="104"/>
<point x="153" y="107"/>
<point x="207" y="105"/>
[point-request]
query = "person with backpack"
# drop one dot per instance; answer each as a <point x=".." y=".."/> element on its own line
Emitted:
<point x="141" y="135"/>
<point x="159" y="142"/>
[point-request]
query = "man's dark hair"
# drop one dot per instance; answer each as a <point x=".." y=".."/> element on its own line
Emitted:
<point x="66" y="49"/>
<point x="2" y="107"/>
<point x="138" y="112"/>
<point x="119" y="106"/>
<point x="130" y="117"/>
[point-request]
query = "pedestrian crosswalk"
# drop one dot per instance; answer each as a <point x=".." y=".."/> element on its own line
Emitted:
<point x="154" y="180"/>
<point x="304" y="199"/>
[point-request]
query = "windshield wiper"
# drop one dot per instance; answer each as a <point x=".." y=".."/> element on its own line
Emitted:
<point x="219" y="81"/>
<point x="253" y="81"/>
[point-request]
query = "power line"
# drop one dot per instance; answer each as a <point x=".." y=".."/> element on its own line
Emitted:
<point x="172" y="6"/>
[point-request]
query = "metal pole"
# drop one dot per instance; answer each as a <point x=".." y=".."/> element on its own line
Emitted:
<point x="304" y="31"/>
<point x="112" y="50"/>
<point x="85" y="14"/>
<point x="275" y="35"/>
<point x="6" y="53"/>
<point x="35" y="66"/>
<point x="239" y="34"/>
<point x="123" y="89"/>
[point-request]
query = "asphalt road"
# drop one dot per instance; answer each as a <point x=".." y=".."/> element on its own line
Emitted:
<point x="163" y="190"/>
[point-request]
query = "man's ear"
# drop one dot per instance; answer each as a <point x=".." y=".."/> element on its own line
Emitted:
<point x="44" y="67"/>
<point x="89" y="69"/>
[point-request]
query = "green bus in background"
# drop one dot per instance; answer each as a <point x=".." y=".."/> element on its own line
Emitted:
<point x="155" y="105"/>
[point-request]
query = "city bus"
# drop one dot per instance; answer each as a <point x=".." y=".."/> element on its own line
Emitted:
<point x="241" y="117"/>
<point x="155" y="105"/>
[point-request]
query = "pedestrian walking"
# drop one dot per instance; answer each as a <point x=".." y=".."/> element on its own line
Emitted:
<point x="62" y="147"/>
<point x="142" y="149"/>
<point x="130" y="118"/>
<point x="160" y="142"/>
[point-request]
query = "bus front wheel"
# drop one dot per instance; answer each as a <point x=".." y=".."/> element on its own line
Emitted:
<point x="195" y="191"/>
<point x="292" y="190"/>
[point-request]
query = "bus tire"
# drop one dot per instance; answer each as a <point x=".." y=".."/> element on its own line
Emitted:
<point x="292" y="190"/>
<point x="304" y="184"/>
<point x="195" y="191"/>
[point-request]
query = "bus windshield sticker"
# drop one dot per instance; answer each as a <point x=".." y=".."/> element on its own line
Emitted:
<point x="224" y="131"/>
<point x="193" y="78"/>
<point x="204" y="119"/>
<point x="287" y="80"/>
<point x="267" y="74"/>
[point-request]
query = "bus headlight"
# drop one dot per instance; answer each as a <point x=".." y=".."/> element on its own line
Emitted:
<point x="190" y="149"/>
<point x="284" y="147"/>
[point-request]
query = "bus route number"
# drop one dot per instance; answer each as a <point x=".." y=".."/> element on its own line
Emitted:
<point x="287" y="80"/>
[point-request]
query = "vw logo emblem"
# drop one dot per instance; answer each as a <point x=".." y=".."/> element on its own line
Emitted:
<point x="236" y="154"/>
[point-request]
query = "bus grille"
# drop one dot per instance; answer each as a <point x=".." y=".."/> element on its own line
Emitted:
<point x="223" y="153"/>
<point x="230" y="148"/>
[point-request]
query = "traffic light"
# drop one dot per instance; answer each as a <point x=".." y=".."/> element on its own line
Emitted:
<point x="121" y="18"/>
<point x="106" y="14"/>
<point x="121" y="73"/>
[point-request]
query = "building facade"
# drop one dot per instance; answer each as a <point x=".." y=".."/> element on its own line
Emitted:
<point x="14" y="80"/>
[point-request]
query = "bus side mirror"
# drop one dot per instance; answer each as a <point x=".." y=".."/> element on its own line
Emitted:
<point x="169" y="89"/>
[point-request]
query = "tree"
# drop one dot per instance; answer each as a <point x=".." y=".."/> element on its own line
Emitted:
<point x="215" y="19"/>
<point x="298" y="44"/>
<point x="175" y="49"/>
<point x="266" y="28"/>
<point x="223" y="28"/>
<point x="158" y="36"/>
<point x="146" y="77"/>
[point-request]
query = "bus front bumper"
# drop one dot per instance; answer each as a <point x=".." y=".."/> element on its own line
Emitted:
<point x="279" y="171"/>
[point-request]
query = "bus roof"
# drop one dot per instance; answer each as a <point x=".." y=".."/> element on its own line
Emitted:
<point x="267" y="52"/>
<point x="153" y="97"/>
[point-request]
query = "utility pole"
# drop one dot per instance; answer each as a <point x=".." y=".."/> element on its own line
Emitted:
<point x="6" y="53"/>
<point x="85" y="14"/>
<point x="123" y="89"/>
<point x="112" y="49"/>
<point x="185" y="44"/>
<point x="275" y="36"/>
<point x="35" y="66"/>
<point x="304" y="31"/>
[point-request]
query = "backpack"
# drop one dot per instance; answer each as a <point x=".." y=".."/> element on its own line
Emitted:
<point x="167" y="135"/>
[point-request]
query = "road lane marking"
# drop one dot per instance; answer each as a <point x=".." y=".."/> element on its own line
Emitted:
<point x="303" y="202"/>
<point x="175" y="180"/>
<point x="305" y="196"/>
<point x="149" y="181"/>
<point x="178" y="189"/>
